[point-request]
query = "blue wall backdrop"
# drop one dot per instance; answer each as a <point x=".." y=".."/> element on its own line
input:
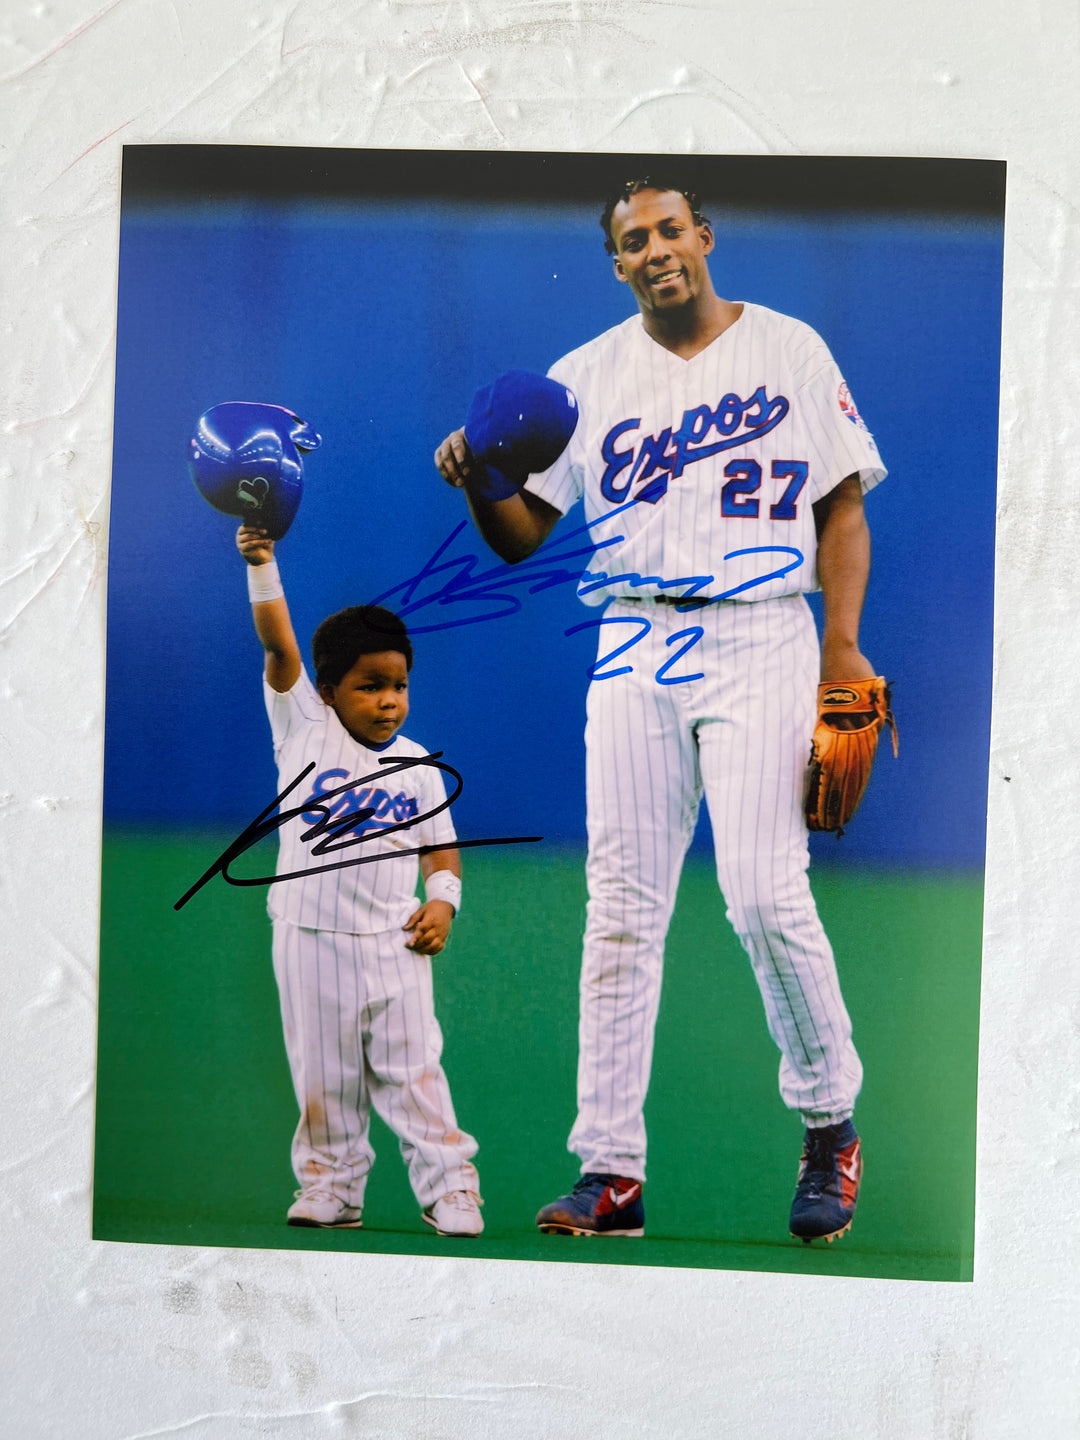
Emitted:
<point x="376" y="319"/>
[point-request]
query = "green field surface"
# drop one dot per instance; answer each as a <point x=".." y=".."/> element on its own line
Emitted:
<point x="195" y="1109"/>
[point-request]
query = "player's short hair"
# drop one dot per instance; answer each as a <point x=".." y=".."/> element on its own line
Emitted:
<point x="649" y="182"/>
<point x="358" y="630"/>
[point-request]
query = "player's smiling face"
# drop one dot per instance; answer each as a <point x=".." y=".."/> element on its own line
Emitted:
<point x="659" y="251"/>
<point x="372" y="699"/>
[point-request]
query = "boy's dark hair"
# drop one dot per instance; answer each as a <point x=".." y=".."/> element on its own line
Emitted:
<point x="359" y="630"/>
<point x="649" y="182"/>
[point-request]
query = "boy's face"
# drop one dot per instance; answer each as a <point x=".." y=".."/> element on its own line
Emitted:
<point x="372" y="699"/>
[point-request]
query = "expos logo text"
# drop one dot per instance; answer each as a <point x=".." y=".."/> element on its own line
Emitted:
<point x="369" y="805"/>
<point x="734" y="421"/>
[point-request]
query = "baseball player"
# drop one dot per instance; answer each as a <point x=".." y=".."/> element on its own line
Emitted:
<point x="351" y="946"/>
<point x="722" y="465"/>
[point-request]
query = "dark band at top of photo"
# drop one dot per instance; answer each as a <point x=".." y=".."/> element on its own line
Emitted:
<point x="170" y="173"/>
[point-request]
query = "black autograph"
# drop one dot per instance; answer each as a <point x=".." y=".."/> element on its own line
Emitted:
<point x="326" y="829"/>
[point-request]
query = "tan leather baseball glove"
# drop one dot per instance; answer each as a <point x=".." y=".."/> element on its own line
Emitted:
<point x="851" y="718"/>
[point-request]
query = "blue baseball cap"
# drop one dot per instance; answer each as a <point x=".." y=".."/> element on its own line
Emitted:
<point x="246" y="460"/>
<point x="519" y="425"/>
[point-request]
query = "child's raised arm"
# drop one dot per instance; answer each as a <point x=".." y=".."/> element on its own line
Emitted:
<point x="269" y="610"/>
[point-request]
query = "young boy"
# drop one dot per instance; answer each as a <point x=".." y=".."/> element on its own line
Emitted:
<point x="351" y="947"/>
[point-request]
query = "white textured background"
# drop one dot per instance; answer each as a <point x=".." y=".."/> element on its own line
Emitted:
<point x="124" y="1341"/>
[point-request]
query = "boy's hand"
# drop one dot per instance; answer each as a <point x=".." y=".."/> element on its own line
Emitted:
<point x="430" y="926"/>
<point x="254" y="545"/>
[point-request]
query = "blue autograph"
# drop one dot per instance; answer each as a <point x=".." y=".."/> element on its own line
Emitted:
<point x="455" y="581"/>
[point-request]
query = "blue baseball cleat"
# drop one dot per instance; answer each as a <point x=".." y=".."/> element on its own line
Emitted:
<point x="828" y="1185"/>
<point x="597" y="1205"/>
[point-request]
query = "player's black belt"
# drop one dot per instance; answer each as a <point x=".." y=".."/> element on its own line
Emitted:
<point x="688" y="602"/>
<point x="691" y="602"/>
<point x="694" y="602"/>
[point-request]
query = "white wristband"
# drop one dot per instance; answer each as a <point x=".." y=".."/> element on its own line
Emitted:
<point x="444" y="885"/>
<point x="264" y="583"/>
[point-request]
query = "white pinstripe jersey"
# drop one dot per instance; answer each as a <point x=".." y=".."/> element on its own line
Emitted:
<point x="724" y="454"/>
<point x="363" y="899"/>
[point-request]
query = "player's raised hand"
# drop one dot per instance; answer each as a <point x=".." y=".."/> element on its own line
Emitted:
<point x="254" y="544"/>
<point x="430" y="927"/>
<point x="454" y="459"/>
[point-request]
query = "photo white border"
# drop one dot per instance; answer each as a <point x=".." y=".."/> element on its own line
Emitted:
<point x="110" y="1340"/>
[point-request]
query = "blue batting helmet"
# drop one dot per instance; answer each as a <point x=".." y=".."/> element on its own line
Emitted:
<point x="245" y="460"/>
<point x="519" y="425"/>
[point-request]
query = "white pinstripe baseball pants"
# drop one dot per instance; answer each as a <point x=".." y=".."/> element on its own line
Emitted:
<point x="360" y="1030"/>
<point x="742" y="734"/>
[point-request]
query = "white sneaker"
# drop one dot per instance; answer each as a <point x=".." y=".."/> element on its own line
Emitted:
<point x="321" y="1207"/>
<point x="457" y="1213"/>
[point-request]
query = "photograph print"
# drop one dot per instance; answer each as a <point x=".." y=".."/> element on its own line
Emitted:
<point x="548" y="700"/>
